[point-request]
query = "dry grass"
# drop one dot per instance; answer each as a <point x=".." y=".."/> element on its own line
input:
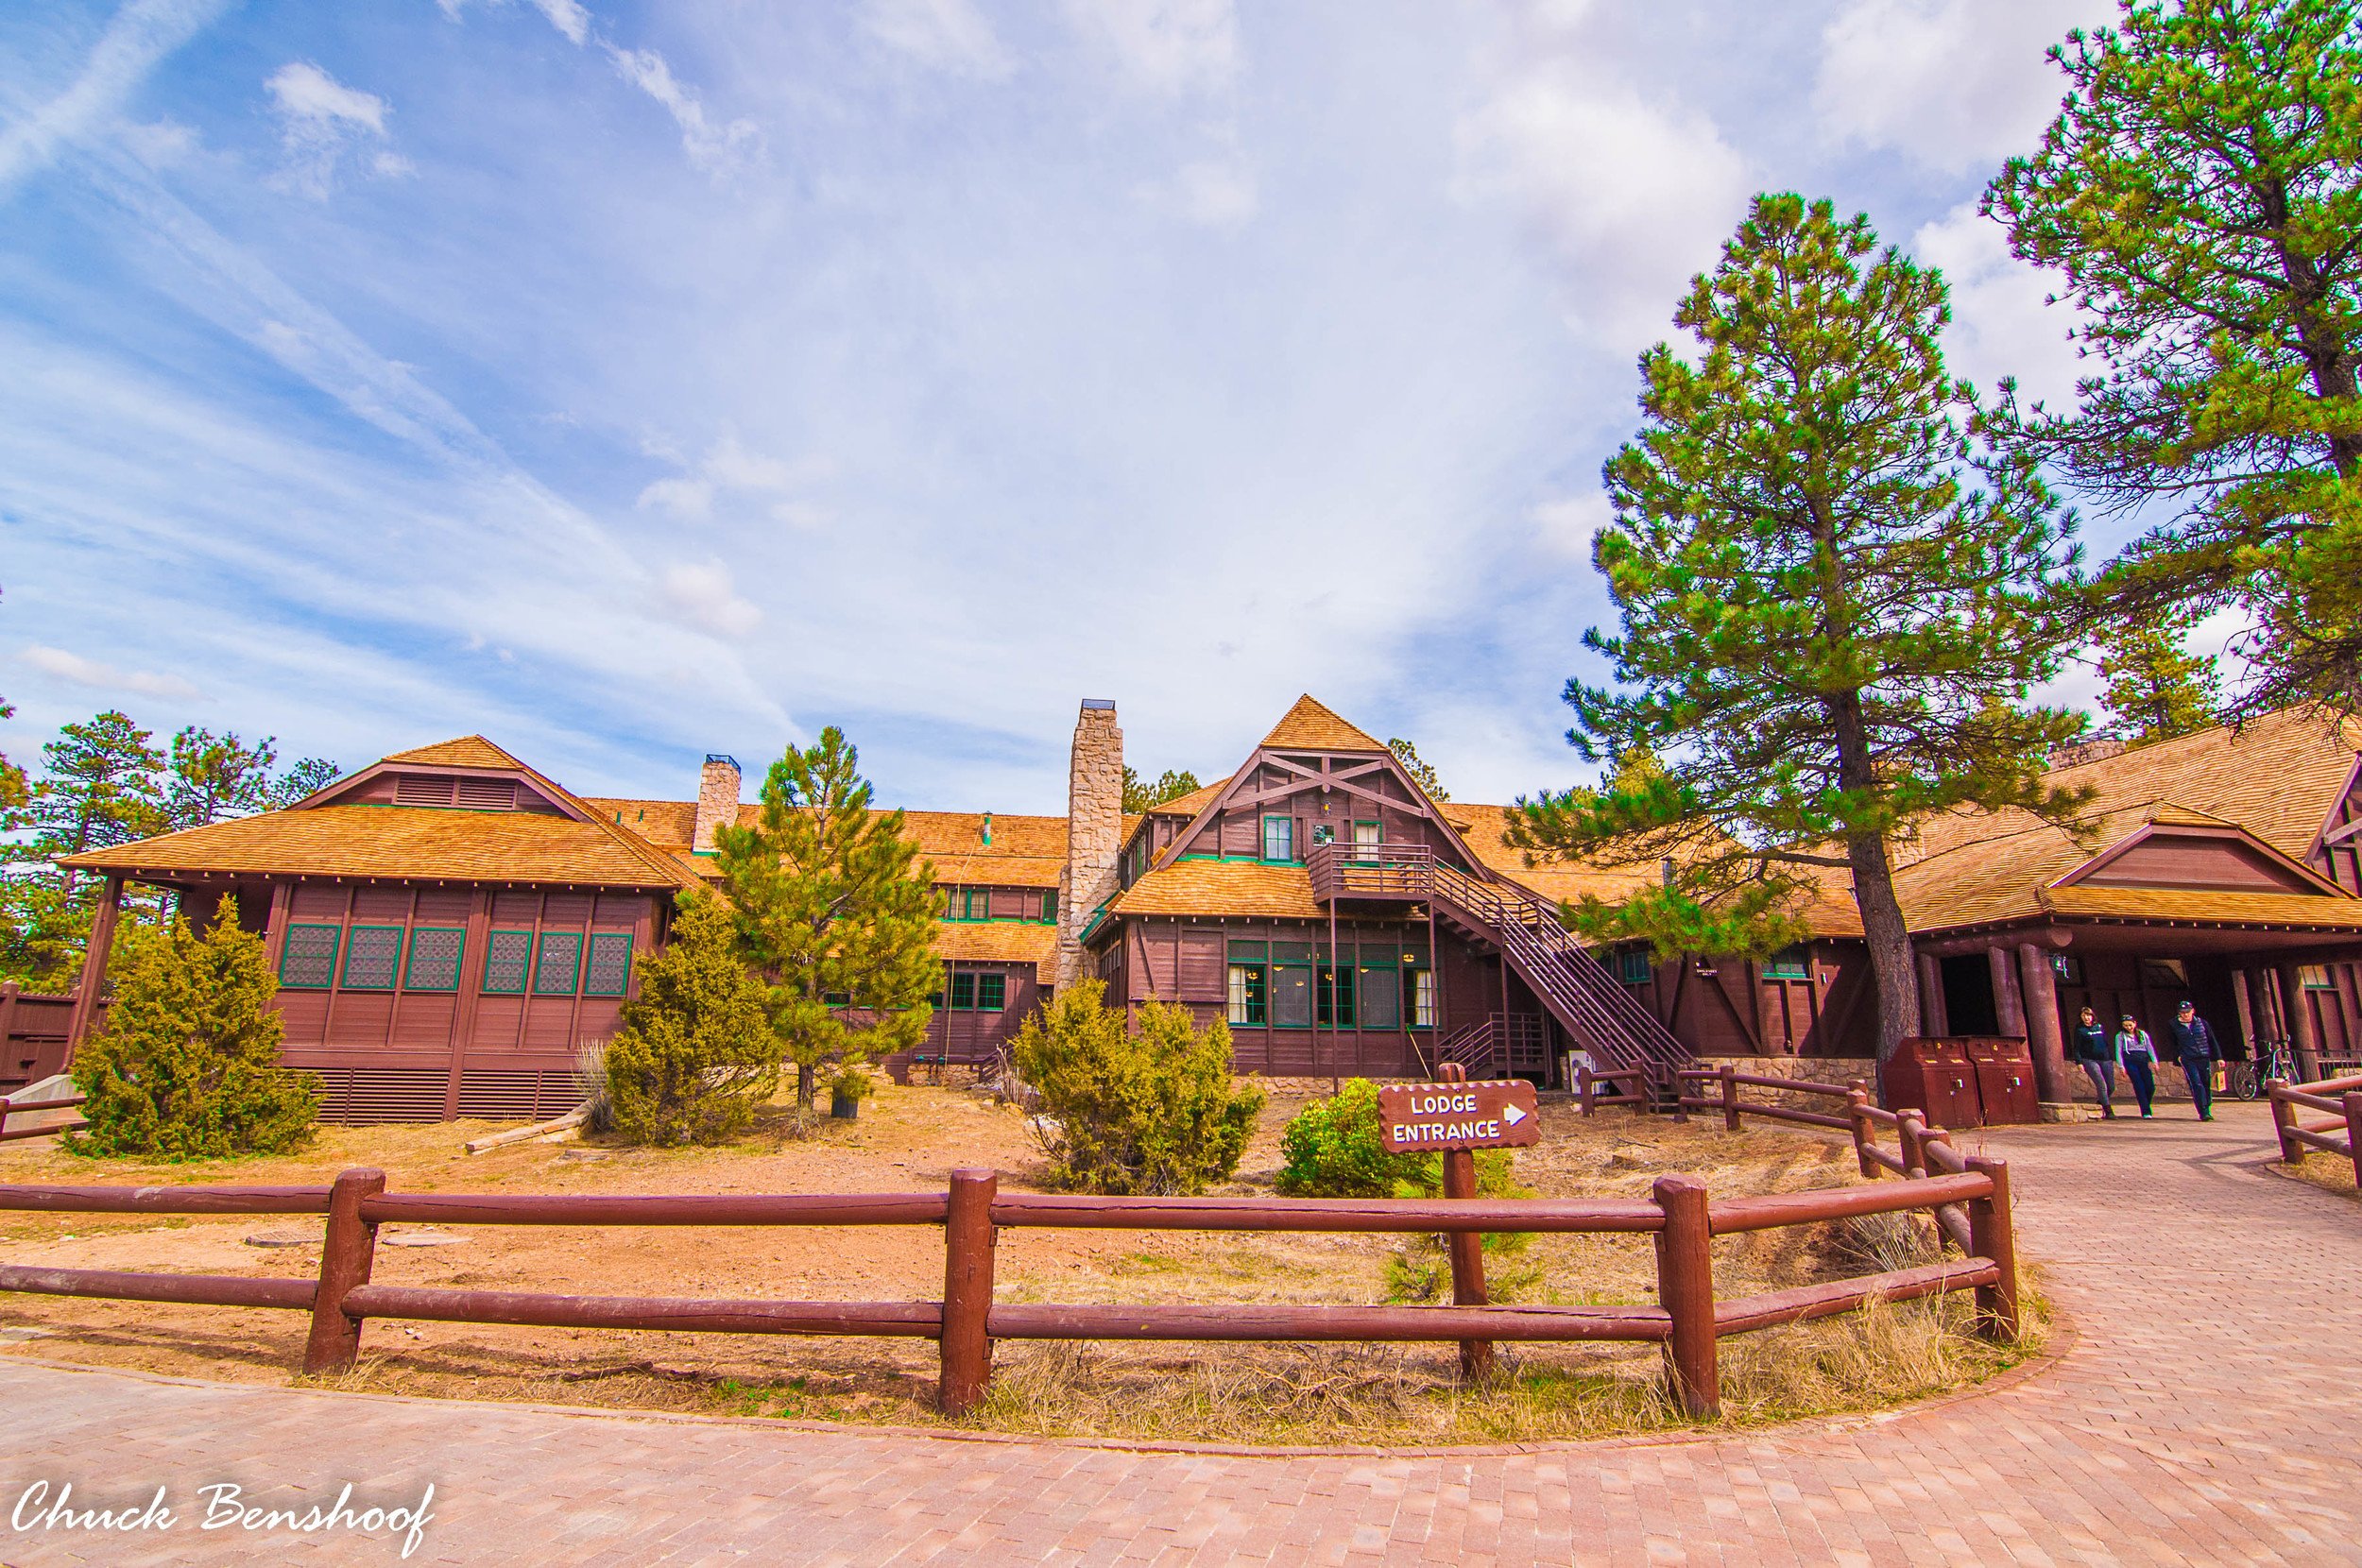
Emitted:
<point x="2329" y="1172"/>
<point x="908" y="1139"/>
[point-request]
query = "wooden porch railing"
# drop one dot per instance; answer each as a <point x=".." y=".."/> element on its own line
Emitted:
<point x="35" y="1032"/>
<point x="1680" y="1215"/>
<point x="2340" y="1096"/>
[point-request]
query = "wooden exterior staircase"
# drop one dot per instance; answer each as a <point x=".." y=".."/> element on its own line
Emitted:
<point x="1621" y="1036"/>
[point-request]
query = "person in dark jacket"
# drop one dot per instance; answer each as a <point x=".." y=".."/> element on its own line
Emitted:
<point x="2096" y="1055"/>
<point x="2195" y="1043"/>
<point x="2137" y="1053"/>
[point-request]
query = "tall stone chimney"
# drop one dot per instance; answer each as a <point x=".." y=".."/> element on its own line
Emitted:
<point x="1094" y="829"/>
<point x="717" y="800"/>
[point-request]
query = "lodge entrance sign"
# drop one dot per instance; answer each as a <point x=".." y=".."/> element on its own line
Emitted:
<point x="1419" y="1118"/>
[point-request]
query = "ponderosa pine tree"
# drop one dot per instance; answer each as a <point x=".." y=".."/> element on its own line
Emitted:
<point x="1139" y="795"/>
<point x="832" y="901"/>
<point x="1421" y="774"/>
<point x="187" y="1067"/>
<point x="2157" y="688"/>
<point x="97" y="788"/>
<point x="1834" y="601"/>
<point x="2202" y="191"/>
<point x="695" y="1057"/>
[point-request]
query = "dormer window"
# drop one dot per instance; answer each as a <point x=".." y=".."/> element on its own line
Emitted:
<point x="1279" y="838"/>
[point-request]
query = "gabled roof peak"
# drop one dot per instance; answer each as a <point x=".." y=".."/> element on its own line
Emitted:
<point x="1309" y="726"/>
<point x="466" y="751"/>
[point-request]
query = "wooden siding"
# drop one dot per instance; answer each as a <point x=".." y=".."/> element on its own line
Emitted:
<point x="2178" y="860"/>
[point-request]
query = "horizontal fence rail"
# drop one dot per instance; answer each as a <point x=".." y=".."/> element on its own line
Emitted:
<point x="26" y="1107"/>
<point x="2337" y="1133"/>
<point x="1968" y="1196"/>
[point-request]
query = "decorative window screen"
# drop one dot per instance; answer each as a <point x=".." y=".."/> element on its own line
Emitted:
<point x="434" y="953"/>
<point x="372" y="958"/>
<point x="309" y="963"/>
<point x="608" y="971"/>
<point x="558" y="967"/>
<point x="507" y="960"/>
<point x="992" y="993"/>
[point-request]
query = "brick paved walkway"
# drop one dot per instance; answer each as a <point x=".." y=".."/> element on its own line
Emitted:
<point x="2211" y="1413"/>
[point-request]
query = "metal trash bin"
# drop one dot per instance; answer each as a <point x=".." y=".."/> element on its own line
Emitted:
<point x="1935" y="1078"/>
<point x="2005" y="1079"/>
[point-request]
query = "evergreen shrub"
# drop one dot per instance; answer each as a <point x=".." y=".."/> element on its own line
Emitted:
<point x="695" y="1056"/>
<point x="1151" y="1110"/>
<point x="1331" y="1149"/>
<point x="187" y="1067"/>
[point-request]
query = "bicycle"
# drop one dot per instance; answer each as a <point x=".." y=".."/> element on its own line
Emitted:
<point x="2271" y="1061"/>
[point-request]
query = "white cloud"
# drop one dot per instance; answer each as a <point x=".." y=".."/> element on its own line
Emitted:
<point x="567" y="16"/>
<point x="1170" y="46"/>
<point x="720" y="150"/>
<point x="76" y="670"/>
<point x="1958" y="84"/>
<point x="136" y="41"/>
<point x="2000" y="325"/>
<point x="1217" y="193"/>
<point x="951" y="36"/>
<point x="1567" y="526"/>
<point x="703" y="596"/>
<point x="728" y="465"/>
<point x="1633" y="196"/>
<point x="320" y="119"/>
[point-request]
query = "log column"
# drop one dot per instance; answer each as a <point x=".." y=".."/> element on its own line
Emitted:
<point x="2303" y="1039"/>
<point x="1931" y="1018"/>
<point x="2044" y="1038"/>
<point x="102" y="939"/>
<point x="2009" y="1006"/>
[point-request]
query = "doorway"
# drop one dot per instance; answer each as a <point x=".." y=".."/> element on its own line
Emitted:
<point x="1968" y="1005"/>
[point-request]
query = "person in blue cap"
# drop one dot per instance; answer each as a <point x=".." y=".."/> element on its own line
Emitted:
<point x="2195" y="1043"/>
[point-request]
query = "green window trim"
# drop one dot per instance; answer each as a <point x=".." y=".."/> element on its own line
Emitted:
<point x="438" y="958"/>
<point x="557" y="963"/>
<point x="606" y="966"/>
<point x="372" y="959"/>
<point x="980" y="991"/>
<point x="307" y="960"/>
<point x="1279" y="832"/>
<point x="508" y="963"/>
<point x="1788" y="964"/>
<point x="1248" y="995"/>
<point x="1632" y="966"/>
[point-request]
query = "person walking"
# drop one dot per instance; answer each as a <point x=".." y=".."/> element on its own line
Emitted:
<point x="2098" y="1059"/>
<point x="2195" y="1043"/>
<point x="2137" y="1053"/>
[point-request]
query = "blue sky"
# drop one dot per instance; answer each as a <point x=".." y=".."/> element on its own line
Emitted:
<point x="630" y="382"/>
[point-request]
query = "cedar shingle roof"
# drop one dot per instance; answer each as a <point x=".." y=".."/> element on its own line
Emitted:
<point x="1309" y="726"/>
<point x="468" y="750"/>
<point x="2318" y="910"/>
<point x="1223" y="887"/>
<point x="400" y="844"/>
<point x="1000" y="942"/>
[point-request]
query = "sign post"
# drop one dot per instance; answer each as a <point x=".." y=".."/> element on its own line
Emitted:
<point x="1456" y="1117"/>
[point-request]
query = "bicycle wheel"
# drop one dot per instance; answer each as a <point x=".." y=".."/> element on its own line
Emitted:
<point x="2246" y="1080"/>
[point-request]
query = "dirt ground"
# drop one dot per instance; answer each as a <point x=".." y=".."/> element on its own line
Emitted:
<point x="908" y="1139"/>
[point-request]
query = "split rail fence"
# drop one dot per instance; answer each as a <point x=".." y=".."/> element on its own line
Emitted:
<point x="1969" y="1197"/>
<point x="2340" y="1096"/>
<point x="26" y="1107"/>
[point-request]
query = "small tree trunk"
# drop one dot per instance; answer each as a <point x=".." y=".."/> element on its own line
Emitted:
<point x="806" y="1086"/>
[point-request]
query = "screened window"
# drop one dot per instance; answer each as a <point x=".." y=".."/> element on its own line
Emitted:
<point x="507" y="960"/>
<point x="1250" y="992"/>
<point x="1279" y="838"/>
<point x="1632" y="966"/>
<point x="1422" y="998"/>
<point x="1336" y="996"/>
<point x="372" y="958"/>
<point x="1291" y="995"/>
<point x="1788" y="964"/>
<point x="309" y="961"/>
<point x="608" y="969"/>
<point x="435" y="952"/>
<point x="557" y="965"/>
<point x="1380" y="998"/>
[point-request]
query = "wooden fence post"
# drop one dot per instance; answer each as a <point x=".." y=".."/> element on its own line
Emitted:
<point x="969" y="1238"/>
<point x="1992" y="1235"/>
<point x="346" y="1256"/>
<point x="2285" y="1124"/>
<point x="1582" y="1088"/>
<point x="1467" y="1247"/>
<point x="1910" y="1127"/>
<point x="1685" y="1287"/>
<point x="2354" y="1132"/>
<point x="1857" y="1112"/>
<point x="1730" y="1098"/>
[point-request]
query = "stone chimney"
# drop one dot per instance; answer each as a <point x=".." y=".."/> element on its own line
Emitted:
<point x="717" y="800"/>
<point x="1094" y="829"/>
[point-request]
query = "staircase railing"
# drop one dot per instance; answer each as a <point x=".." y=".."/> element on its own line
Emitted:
<point x="1575" y="986"/>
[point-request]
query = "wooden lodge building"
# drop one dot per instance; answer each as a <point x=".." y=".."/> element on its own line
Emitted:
<point x="450" y="926"/>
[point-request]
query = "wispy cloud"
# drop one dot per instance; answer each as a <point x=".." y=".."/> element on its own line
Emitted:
<point x="78" y="671"/>
<point x="720" y="149"/>
<point x="1168" y="47"/>
<point x="322" y="119"/>
<point x="138" y="39"/>
<point x="951" y="35"/>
